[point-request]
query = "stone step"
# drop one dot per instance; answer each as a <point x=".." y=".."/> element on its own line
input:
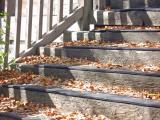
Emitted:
<point x="123" y="4"/>
<point x="114" y="55"/>
<point x="116" y="107"/>
<point x="118" y="77"/>
<point x="114" y="35"/>
<point x="14" y="116"/>
<point x="140" y="17"/>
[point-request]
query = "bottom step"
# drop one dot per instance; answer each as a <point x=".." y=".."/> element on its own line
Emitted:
<point x="14" y="116"/>
<point x="113" y="106"/>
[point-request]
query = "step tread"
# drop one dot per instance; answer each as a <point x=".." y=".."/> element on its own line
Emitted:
<point x="91" y="68"/>
<point x="130" y="9"/>
<point x="103" y="48"/>
<point x="114" y="35"/>
<point x="140" y="17"/>
<point x="91" y="106"/>
<point x="116" y="4"/>
<point x="91" y="95"/>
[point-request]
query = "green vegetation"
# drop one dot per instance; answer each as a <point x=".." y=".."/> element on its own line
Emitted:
<point x="2" y="43"/>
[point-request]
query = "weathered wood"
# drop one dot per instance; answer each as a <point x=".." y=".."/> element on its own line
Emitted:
<point x="29" y="22"/>
<point x="70" y="6"/>
<point x="60" y="10"/>
<point x="100" y="4"/>
<point x="2" y="5"/>
<point x="7" y="36"/>
<point x="85" y="20"/>
<point x="18" y="27"/>
<point x="57" y="31"/>
<point x="40" y="24"/>
<point x="49" y="15"/>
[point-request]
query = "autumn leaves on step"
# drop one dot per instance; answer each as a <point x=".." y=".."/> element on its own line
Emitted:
<point x="17" y="78"/>
<point x="97" y="64"/>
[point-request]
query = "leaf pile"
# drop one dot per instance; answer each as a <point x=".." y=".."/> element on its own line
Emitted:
<point x="23" y="109"/>
<point x="127" y="27"/>
<point x="97" y="64"/>
<point x="100" y="43"/>
<point x="14" y="77"/>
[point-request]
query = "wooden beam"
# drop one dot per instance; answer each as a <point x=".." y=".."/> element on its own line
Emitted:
<point x="18" y="27"/>
<point x="56" y="32"/>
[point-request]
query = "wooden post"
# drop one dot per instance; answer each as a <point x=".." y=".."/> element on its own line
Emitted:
<point x="18" y="27"/>
<point x="60" y="10"/>
<point x="2" y="5"/>
<point x="70" y="6"/>
<point x="40" y="24"/>
<point x="87" y="11"/>
<point x="100" y="4"/>
<point x="29" y="23"/>
<point x="49" y="15"/>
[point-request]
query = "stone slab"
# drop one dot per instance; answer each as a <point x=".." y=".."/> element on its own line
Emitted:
<point x="137" y="17"/>
<point x="107" y="54"/>
<point x="69" y="103"/>
<point x="133" y="79"/>
<point x="114" y="35"/>
<point x="124" y="4"/>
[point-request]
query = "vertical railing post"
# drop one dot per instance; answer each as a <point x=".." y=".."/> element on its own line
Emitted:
<point x="100" y="4"/>
<point x="2" y="5"/>
<point x="49" y="15"/>
<point x="60" y="10"/>
<point x="70" y="6"/>
<point x="40" y="24"/>
<point x="85" y="20"/>
<point x="18" y="27"/>
<point x="29" y="23"/>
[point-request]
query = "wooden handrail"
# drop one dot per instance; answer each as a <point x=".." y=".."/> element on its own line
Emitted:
<point x="56" y="32"/>
<point x="51" y="32"/>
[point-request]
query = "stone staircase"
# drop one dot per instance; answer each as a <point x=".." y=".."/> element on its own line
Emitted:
<point x="115" y="106"/>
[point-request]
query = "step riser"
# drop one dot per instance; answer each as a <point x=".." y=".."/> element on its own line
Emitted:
<point x="131" y="36"/>
<point x="140" y="18"/>
<point x="124" y="4"/>
<point x="115" y="111"/>
<point x="108" y="78"/>
<point x="114" y="56"/>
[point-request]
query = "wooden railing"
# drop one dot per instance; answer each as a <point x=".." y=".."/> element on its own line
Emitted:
<point x="52" y="32"/>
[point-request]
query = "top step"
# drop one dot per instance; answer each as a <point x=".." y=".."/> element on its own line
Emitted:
<point x="126" y="4"/>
